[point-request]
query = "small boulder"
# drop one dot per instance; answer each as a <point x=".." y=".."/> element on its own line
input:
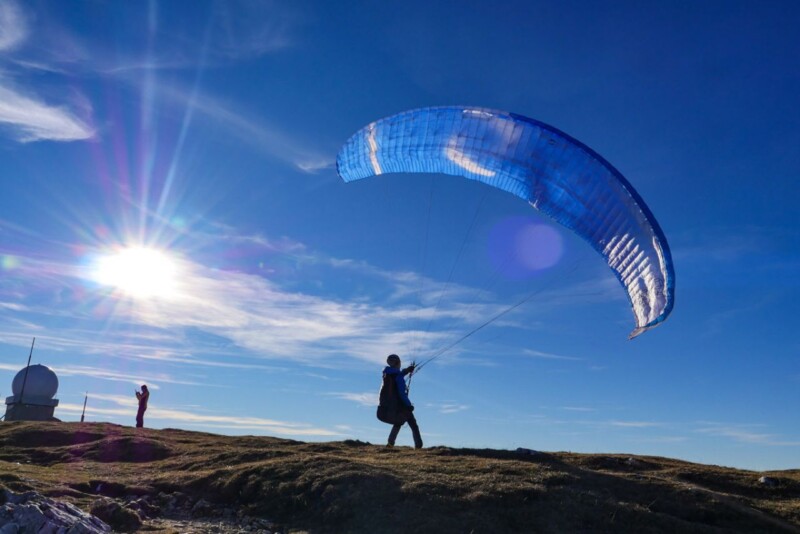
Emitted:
<point x="117" y="516"/>
<point x="633" y="462"/>
<point x="769" y="482"/>
<point x="32" y="512"/>
<point x="202" y="508"/>
<point x="144" y="508"/>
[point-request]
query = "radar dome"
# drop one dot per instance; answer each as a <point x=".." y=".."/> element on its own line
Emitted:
<point x="41" y="382"/>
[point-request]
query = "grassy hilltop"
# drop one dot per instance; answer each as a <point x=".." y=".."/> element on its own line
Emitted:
<point x="352" y="486"/>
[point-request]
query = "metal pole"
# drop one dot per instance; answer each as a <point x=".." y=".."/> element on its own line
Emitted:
<point x="25" y="379"/>
<point x="84" y="406"/>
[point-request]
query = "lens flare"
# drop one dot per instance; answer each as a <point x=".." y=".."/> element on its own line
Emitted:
<point x="141" y="273"/>
<point x="539" y="246"/>
<point x="8" y="263"/>
<point x="520" y="247"/>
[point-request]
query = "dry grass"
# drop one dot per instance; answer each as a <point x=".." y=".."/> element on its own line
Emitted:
<point x="355" y="487"/>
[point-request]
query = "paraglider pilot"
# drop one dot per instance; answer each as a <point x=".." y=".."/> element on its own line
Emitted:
<point x="142" y="398"/>
<point x="395" y="408"/>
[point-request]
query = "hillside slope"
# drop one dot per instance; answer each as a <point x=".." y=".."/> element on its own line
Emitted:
<point x="356" y="487"/>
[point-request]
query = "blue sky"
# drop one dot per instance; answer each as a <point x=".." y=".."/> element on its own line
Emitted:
<point x="210" y="136"/>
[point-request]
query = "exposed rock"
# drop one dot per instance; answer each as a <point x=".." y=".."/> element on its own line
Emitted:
<point x="119" y="517"/>
<point x="174" y="502"/>
<point x="144" y="507"/>
<point x="32" y="512"/>
<point x="768" y="482"/>
<point x="202" y="508"/>
<point x="633" y="462"/>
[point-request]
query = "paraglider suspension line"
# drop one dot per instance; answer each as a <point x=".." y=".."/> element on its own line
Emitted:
<point x="488" y="322"/>
<point x="408" y="386"/>
<point x="475" y="330"/>
<point x="458" y="257"/>
<point x="414" y="341"/>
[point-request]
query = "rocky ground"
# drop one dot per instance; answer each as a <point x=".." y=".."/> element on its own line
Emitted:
<point x="72" y="478"/>
<point x="36" y="513"/>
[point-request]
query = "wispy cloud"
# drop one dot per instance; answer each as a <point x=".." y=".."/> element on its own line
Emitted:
<point x="745" y="254"/>
<point x="13" y="25"/>
<point x="13" y="306"/>
<point x="174" y="358"/>
<point x="634" y="424"/>
<point x="246" y="29"/>
<point x="718" y="319"/>
<point x="261" y="135"/>
<point x="661" y="439"/>
<point x="38" y="66"/>
<point x="26" y="116"/>
<point x="242" y="125"/>
<point x="370" y="399"/>
<point x="364" y="399"/>
<point x="724" y="245"/>
<point x="155" y="345"/>
<point x="126" y="406"/>
<point x="746" y="434"/>
<point x="227" y="318"/>
<point x="549" y="356"/>
<point x="33" y="120"/>
<point x="448" y="407"/>
<point x="245" y="310"/>
<point x="239" y="30"/>
<point x="152" y="380"/>
<point x="10" y="367"/>
<point x="610" y="425"/>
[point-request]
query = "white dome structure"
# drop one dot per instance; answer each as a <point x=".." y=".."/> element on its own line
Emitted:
<point x="40" y="383"/>
<point x="34" y="389"/>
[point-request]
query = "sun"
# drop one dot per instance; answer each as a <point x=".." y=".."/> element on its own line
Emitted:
<point x="139" y="272"/>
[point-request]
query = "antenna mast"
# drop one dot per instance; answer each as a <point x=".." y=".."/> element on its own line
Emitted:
<point x="25" y="379"/>
<point x="86" y="398"/>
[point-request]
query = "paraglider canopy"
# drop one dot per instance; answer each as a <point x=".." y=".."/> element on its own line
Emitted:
<point x="557" y="174"/>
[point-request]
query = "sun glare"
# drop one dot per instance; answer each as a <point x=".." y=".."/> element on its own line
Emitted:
<point x="139" y="272"/>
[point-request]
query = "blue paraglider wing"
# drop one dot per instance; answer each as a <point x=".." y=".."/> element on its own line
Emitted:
<point x="557" y="174"/>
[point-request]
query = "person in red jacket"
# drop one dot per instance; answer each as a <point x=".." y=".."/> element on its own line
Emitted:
<point x="395" y="407"/>
<point x="142" y="398"/>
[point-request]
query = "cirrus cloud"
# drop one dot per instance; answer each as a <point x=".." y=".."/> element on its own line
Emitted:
<point x="32" y="120"/>
<point x="13" y="27"/>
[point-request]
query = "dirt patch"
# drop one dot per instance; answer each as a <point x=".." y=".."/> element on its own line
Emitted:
<point x="124" y="449"/>
<point x="50" y="436"/>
